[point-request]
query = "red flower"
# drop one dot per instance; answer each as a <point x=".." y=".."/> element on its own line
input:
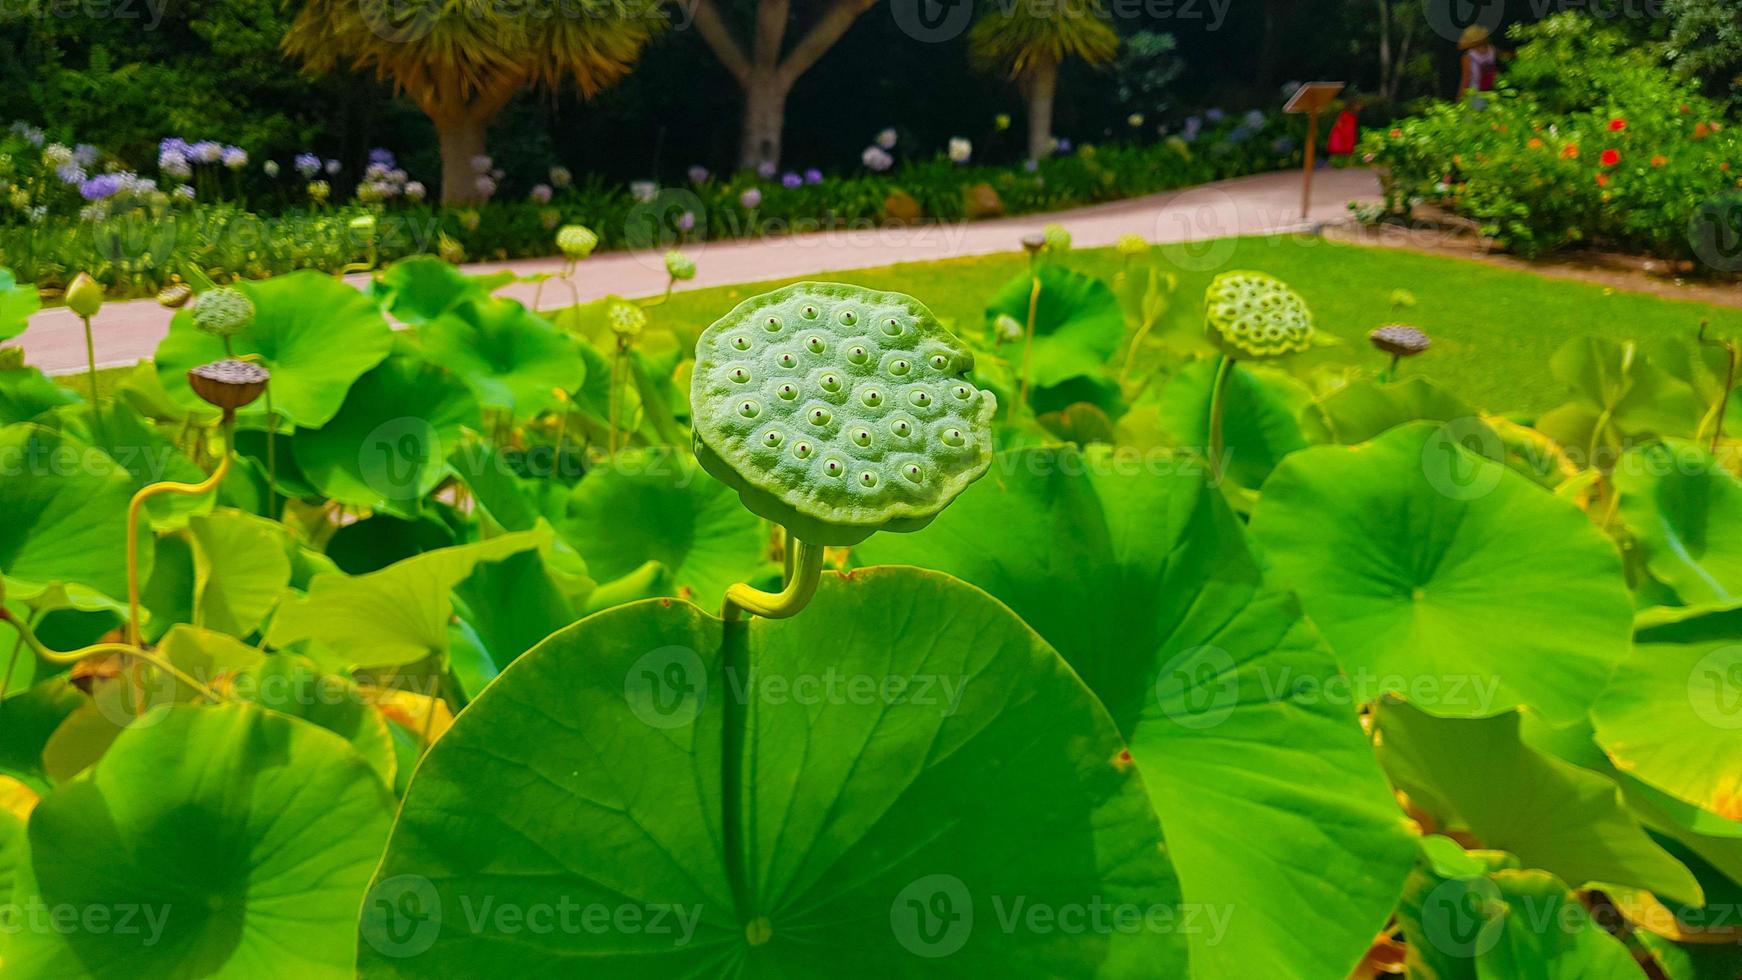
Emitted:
<point x="1570" y="151"/>
<point x="1659" y="160"/>
<point x="1602" y="180"/>
<point x="1611" y="157"/>
<point x="1617" y="125"/>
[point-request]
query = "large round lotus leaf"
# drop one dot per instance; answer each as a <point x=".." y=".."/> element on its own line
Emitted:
<point x="1078" y="324"/>
<point x="28" y="719"/>
<point x="1360" y="410"/>
<point x="1447" y="577"/>
<point x="1672" y="717"/>
<point x="1237" y="716"/>
<point x="314" y="333"/>
<point x="292" y="685"/>
<point x="242" y="839"/>
<point x="63" y="521"/>
<point x="420" y="288"/>
<point x="17" y="303"/>
<point x="658" y="506"/>
<point x="26" y="393"/>
<point x="892" y="784"/>
<point x="388" y="446"/>
<point x="1261" y="420"/>
<point x="837" y="411"/>
<point x="1685" y="512"/>
<point x="513" y="358"/>
<point x="1250" y="314"/>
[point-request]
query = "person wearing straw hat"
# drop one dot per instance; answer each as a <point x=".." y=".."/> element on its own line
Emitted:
<point x="1481" y="60"/>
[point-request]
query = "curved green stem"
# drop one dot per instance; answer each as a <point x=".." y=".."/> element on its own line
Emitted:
<point x="1136" y="344"/>
<point x="91" y="365"/>
<point x="99" y="649"/>
<point x="1729" y="350"/>
<point x="800" y="588"/>
<point x="145" y="493"/>
<point x="1028" y="334"/>
<point x="1218" y="406"/>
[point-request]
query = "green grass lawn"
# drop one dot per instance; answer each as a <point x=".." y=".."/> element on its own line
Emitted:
<point x="1493" y="328"/>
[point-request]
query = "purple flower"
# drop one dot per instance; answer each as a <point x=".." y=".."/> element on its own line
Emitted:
<point x="183" y="192"/>
<point x="876" y="158"/>
<point x="206" y="151"/>
<point x="766" y="170"/>
<point x="101" y="187"/>
<point x="791" y="181"/>
<point x="235" y="157"/>
<point x="750" y="199"/>
<point x="485" y="184"/>
<point x="307" y="164"/>
<point x="698" y="174"/>
<point x="541" y="193"/>
<point x="70" y="173"/>
<point x="1064" y="145"/>
<point x="1193" y="127"/>
<point x="84" y="154"/>
<point x="686" y="221"/>
<point x="813" y="176"/>
<point x="173" y="160"/>
<point x="382" y="156"/>
<point x="1215" y="115"/>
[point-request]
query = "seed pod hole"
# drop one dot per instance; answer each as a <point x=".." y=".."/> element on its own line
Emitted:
<point x="954" y="437"/>
<point x="820" y="416"/>
<point x="833" y="467"/>
<point x="788" y="361"/>
<point x="902" y="428"/>
<point x="749" y="409"/>
<point x="815" y="345"/>
<point x="900" y="366"/>
<point x="830" y="382"/>
<point x="849" y="318"/>
<point x="739" y="375"/>
<point x="802" y="450"/>
<point x="873" y="397"/>
<point x="809" y="312"/>
<point x="867" y="479"/>
<point x="862" y="438"/>
<point x="772" y="438"/>
<point x="962" y="392"/>
<point x="771" y="324"/>
<point x="892" y="327"/>
<point x="921" y="398"/>
<point x="741" y="343"/>
<point x="940" y="362"/>
<point x="913" y="472"/>
<point x="858" y="354"/>
<point x="787" y="391"/>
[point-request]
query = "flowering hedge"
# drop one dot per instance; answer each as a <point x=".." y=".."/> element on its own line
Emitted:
<point x="1637" y="168"/>
<point x="134" y="249"/>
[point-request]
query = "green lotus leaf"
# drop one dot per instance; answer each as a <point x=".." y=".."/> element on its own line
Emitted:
<point x="208" y="656"/>
<point x="513" y="358"/>
<point x="1672" y="717"/>
<point x="1617" y="395"/>
<point x="1478" y="776"/>
<point x="388" y="445"/>
<point x="418" y="289"/>
<point x="291" y="685"/>
<point x="396" y="616"/>
<point x="26" y="394"/>
<point x="776" y="830"/>
<point x="658" y="505"/>
<point x="1692" y="961"/>
<point x="17" y="303"/>
<point x="507" y="607"/>
<point x="1363" y="410"/>
<point x="147" y="455"/>
<point x="28" y="719"/>
<point x="1078" y="323"/>
<point x="246" y="858"/>
<point x="314" y="333"/>
<point x="837" y="411"/>
<point x="1235" y="712"/>
<point x="1260" y="422"/>
<point x="13" y="852"/>
<point x="1440" y="573"/>
<point x="370" y="545"/>
<point x="63" y="541"/>
<point x="241" y="568"/>
<point x="1483" y="918"/>
<point x="1685" y="512"/>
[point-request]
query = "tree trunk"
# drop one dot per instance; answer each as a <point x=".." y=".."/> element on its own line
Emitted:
<point x="462" y="138"/>
<point x="1042" y="87"/>
<point x="764" y="120"/>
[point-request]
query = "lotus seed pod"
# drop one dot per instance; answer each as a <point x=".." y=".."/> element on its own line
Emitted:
<point x="1132" y="246"/>
<point x="1056" y="237"/>
<point x="11" y="358"/>
<point x="229" y="384"/>
<point x="1400" y="340"/>
<point x="223" y="312"/>
<point x="839" y="411"/>
<point x="1250" y="314"/>
<point x="1032" y="244"/>
<point x="576" y="241"/>
<point x="84" y="296"/>
<point x="679" y="266"/>
<point x="627" y="320"/>
<point x="363" y="228"/>
<point x="175" y="295"/>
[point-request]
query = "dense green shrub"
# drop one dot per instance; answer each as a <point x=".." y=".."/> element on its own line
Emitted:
<point x="1587" y="142"/>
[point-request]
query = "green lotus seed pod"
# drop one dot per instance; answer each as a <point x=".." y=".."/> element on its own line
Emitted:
<point x="679" y="265"/>
<point x="175" y="295"/>
<point x="84" y="296"/>
<point x="223" y="312"/>
<point x="1250" y="314"/>
<point x="1057" y="238"/>
<point x="1400" y="340"/>
<point x="576" y="241"/>
<point x="11" y="358"/>
<point x="839" y="411"/>
<point x="627" y="320"/>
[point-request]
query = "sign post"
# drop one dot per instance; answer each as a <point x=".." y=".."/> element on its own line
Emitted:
<point x="1311" y="98"/>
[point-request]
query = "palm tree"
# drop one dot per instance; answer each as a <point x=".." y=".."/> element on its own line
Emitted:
<point x="1027" y="40"/>
<point x="461" y="61"/>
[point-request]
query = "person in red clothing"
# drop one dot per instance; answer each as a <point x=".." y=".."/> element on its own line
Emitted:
<point x="1481" y="60"/>
<point x="1346" y="131"/>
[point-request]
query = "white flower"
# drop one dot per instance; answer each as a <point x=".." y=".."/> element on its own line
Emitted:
<point x="960" y="150"/>
<point x="271" y="168"/>
<point x="1134" y="120"/>
<point x="482" y="163"/>
<point x="206" y="151"/>
<point x="485" y="184"/>
<point x="415" y="191"/>
<point x="886" y="139"/>
<point x="540" y="193"/>
<point x="183" y="192"/>
<point x="560" y="176"/>
<point x="57" y="155"/>
<point x="643" y="190"/>
<point x="332" y="168"/>
<point x="235" y="157"/>
<point x="876" y="158"/>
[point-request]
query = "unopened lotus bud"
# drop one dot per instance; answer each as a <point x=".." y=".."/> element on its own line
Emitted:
<point x="223" y="312"/>
<point x="576" y="241"/>
<point x="1132" y="246"/>
<point x="84" y="296"/>
<point x="679" y="265"/>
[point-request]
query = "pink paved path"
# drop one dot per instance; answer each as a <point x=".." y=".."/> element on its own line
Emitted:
<point x="1261" y="205"/>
